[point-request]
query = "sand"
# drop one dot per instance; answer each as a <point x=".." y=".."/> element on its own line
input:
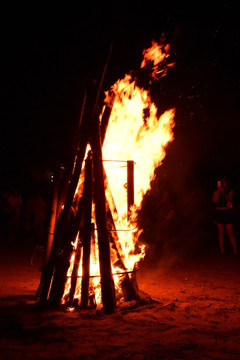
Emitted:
<point x="192" y="312"/>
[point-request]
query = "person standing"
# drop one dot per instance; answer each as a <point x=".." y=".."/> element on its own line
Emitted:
<point x="223" y="198"/>
<point x="12" y="206"/>
<point x="35" y="214"/>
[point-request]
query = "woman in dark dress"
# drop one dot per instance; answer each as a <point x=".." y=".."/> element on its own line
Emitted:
<point x="224" y="213"/>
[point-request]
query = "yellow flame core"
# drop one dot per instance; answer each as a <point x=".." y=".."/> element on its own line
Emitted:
<point x="135" y="132"/>
<point x="133" y="135"/>
<point x="130" y="136"/>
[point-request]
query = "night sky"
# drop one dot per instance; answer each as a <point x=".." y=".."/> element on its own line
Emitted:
<point x="50" y="56"/>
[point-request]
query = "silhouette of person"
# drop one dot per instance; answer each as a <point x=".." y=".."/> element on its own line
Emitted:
<point x="223" y="198"/>
<point x="36" y="217"/>
<point x="12" y="205"/>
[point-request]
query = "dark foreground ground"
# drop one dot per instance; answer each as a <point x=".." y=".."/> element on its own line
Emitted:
<point x="196" y="314"/>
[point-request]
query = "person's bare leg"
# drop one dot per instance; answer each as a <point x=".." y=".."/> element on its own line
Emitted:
<point x="229" y="228"/>
<point x="221" y="237"/>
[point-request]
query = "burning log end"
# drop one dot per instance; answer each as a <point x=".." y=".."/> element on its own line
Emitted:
<point x="129" y="289"/>
<point x="62" y="265"/>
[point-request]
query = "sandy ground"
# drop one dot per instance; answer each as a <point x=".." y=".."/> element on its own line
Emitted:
<point x="195" y="315"/>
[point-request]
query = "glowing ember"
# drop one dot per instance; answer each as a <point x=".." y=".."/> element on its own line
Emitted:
<point x="135" y="132"/>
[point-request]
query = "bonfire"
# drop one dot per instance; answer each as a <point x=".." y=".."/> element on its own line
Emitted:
<point x="93" y="250"/>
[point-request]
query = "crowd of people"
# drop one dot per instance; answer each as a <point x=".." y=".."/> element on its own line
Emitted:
<point x="24" y="218"/>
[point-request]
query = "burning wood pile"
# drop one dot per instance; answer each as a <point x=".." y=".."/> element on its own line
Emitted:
<point x="93" y="247"/>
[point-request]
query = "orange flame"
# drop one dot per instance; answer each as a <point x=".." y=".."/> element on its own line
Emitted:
<point x="133" y="135"/>
<point x="156" y="57"/>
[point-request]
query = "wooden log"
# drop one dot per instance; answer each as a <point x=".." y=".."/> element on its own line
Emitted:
<point x="71" y="159"/>
<point x="130" y="186"/>
<point x="62" y="261"/>
<point x="93" y="244"/>
<point x="130" y="198"/>
<point x="76" y="175"/>
<point x="53" y="216"/>
<point x="113" y="236"/>
<point x="74" y="276"/>
<point x="107" y="284"/>
<point x="64" y="219"/>
<point x="51" y="228"/>
<point x="129" y="288"/>
<point x="103" y="129"/>
<point x="87" y="228"/>
<point x="94" y="110"/>
<point x="128" y="285"/>
<point x="62" y="231"/>
<point x="115" y="246"/>
<point x="106" y="116"/>
<point x="84" y="135"/>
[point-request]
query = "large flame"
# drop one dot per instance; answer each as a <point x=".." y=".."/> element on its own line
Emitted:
<point x="135" y="132"/>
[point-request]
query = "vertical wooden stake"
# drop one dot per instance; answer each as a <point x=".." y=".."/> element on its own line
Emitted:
<point x="130" y="185"/>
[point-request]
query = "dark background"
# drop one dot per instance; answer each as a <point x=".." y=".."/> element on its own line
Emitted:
<point x="50" y="56"/>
